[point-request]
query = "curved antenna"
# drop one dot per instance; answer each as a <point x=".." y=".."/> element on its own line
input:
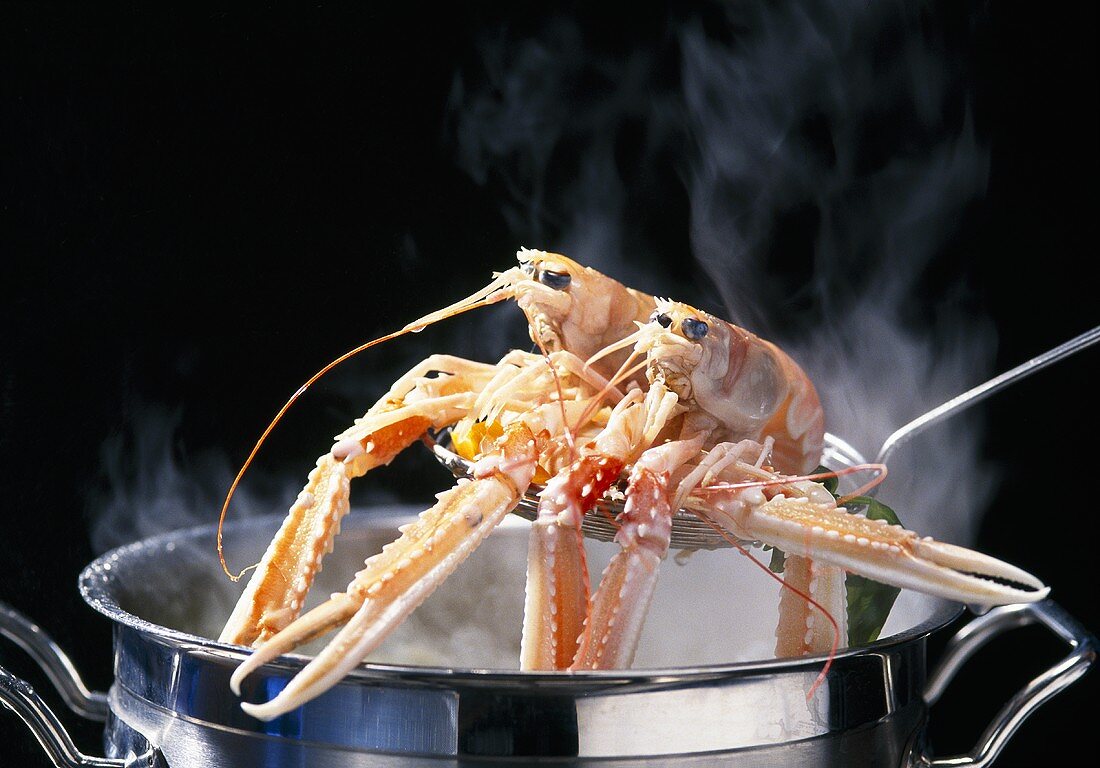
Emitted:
<point x="880" y="469"/>
<point x="615" y="379"/>
<point x="481" y="298"/>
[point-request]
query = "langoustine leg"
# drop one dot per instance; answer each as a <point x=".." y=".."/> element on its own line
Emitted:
<point x="277" y="588"/>
<point x="403" y="575"/>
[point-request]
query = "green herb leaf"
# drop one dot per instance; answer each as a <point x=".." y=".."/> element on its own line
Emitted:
<point x="830" y="483"/>
<point x="778" y="561"/>
<point x="869" y="604"/>
<point x="872" y="508"/>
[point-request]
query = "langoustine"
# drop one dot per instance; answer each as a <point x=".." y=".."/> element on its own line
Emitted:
<point x="713" y="396"/>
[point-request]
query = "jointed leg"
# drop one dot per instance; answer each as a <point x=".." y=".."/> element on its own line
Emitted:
<point x="557" y="575"/>
<point x="277" y="588"/>
<point x="404" y="574"/>
<point x="619" y="607"/>
<point x="803" y="629"/>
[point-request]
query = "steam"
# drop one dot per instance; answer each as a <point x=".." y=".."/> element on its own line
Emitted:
<point x="152" y="485"/>
<point x="812" y="160"/>
<point x="822" y="155"/>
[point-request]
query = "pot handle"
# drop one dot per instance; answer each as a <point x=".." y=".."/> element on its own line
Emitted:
<point x="19" y="696"/>
<point x="968" y="640"/>
<point x="91" y="705"/>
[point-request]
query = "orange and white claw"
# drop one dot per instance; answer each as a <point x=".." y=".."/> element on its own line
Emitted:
<point x="277" y="588"/>
<point x="620" y="605"/>
<point x="877" y="550"/>
<point x="557" y="598"/>
<point x="394" y="582"/>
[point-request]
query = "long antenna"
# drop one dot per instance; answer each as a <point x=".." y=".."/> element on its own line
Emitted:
<point x="482" y="298"/>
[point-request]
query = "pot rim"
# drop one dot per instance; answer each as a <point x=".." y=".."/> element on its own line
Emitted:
<point x="95" y="585"/>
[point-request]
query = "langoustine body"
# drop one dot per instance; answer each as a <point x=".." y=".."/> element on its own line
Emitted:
<point x="719" y="415"/>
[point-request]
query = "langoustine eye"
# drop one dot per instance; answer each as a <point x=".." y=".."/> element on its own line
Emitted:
<point x="660" y="317"/>
<point x="559" y="281"/>
<point x="694" y="329"/>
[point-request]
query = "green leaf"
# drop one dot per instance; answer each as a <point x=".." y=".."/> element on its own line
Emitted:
<point x="830" y="483"/>
<point x="872" y="508"/>
<point x="778" y="561"/>
<point x="869" y="602"/>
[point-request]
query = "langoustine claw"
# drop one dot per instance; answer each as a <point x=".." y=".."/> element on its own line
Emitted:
<point x="403" y="575"/>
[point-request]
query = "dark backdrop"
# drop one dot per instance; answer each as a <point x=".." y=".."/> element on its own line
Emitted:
<point x="201" y="207"/>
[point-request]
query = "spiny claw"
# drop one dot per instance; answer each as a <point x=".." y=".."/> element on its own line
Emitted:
<point x="558" y="591"/>
<point x="883" y="552"/>
<point x="329" y="615"/>
<point x="972" y="566"/>
<point x="278" y="587"/>
<point x="402" y="576"/>
<point x="619" y="607"/>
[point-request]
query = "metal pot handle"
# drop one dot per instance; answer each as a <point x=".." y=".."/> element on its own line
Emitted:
<point x="968" y="640"/>
<point x="19" y="696"/>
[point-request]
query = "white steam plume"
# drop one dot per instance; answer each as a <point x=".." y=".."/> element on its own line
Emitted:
<point x="846" y="123"/>
<point x="151" y="485"/>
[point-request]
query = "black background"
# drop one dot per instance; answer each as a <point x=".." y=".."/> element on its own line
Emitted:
<point x="201" y="207"/>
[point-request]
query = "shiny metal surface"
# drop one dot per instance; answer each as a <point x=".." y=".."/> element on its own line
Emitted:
<point x="970" y="639"/>
<point x="426" y="712"/>
<point x="975" y="395"/>
<point x="172" y="685"/>
<point x="60" y="671"/>
<point x="686" y="705"/>
<point x="18" y="696"/>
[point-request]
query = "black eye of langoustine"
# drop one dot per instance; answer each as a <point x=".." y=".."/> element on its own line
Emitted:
<point x="694" y="329"/>
<point x="661" y="318"/>
<point x="559" y="281"/>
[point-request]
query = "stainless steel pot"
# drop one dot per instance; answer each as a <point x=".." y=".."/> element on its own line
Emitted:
<point x="696" y="696"/>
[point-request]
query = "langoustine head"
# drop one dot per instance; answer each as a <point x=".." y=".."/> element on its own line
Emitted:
<point x="576" y="308"/>
<point x="735" y="384"/>
<point x="569" y="307"/>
